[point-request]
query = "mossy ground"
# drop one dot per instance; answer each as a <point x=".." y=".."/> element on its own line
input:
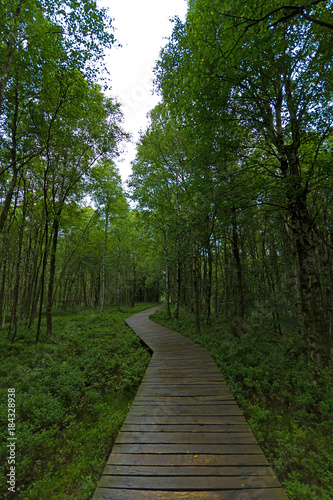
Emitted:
<point x="72" y="395"/>
<point x="269" y="377"/>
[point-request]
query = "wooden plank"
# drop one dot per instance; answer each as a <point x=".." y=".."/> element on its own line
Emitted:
<point x="189" y="459"/>
<point x="237" y="494"/>
<point x="185" y="428"/>
<point x="197" y="400"/>
<point x="181" y="483"/>
<point x="179" y="419"/>
<point x="218" y="409"/>
<point x="216" y="449"/>
<point x="191" y="384"/>
<point x="182" y="400"/>
<point x="192" y="470"/>
<point x="187" y="437"/>
<point x="181" y="391"/>
<point x="166" y="370"/>
<point x="190" y="379"/>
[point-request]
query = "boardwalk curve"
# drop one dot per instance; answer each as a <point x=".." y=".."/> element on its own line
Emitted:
<point x="184" y="436"/>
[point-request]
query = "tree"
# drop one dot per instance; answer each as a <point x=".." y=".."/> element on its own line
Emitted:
<point x="281" y="99"/>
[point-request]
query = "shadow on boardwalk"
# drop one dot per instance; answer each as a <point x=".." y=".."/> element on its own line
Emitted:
<point x="184" y="436"/>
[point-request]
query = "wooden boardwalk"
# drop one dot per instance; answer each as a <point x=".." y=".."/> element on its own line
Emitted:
<point x="184" y="436"/>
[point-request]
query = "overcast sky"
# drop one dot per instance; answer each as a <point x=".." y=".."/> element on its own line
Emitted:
<point x="141" y="27"/>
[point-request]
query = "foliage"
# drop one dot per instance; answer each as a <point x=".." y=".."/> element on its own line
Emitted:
<point x="73" y="394"/>
<point x="289" y="415"/>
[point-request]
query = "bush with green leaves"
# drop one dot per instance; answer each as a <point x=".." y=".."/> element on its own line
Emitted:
<point x="72" y="395"/>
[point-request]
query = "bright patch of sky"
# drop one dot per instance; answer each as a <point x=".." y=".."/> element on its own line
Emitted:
<point x="142" y="28"/>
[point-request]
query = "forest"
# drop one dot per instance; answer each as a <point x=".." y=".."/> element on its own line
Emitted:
<point x="227" y="218"/>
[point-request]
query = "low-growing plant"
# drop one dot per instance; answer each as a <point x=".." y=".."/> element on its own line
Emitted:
<point x="72" y="395"/>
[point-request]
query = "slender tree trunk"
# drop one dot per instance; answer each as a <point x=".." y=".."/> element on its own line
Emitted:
<point x="239" y="295"/>
<point x="103" y="262"/>
<point x="167" y="276"/>
<point x="178" y="290"/>
<point x="42" y="283"/>
<point x="216" y="276"/>
<point x="13" y="321"/>
<point x="4" y="272"/>
<point x="271" y="285"/>
<point x="208" y="284"/>
<point x="49" y="303"/>
<point x="196" y="298"/>
<point x="8" y="199"/>
<point x="226" y="280"/>
<point x="118" y="277"/>
<point x="133" y="283"/>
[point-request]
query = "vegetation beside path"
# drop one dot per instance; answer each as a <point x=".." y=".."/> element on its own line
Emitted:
<point x="269" y="377"/>
<point x="72" y="396"/>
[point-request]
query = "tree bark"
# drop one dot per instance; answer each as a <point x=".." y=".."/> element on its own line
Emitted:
<point x="167" y="276"/>
<point x="42" y="283"/>
<point x="208" y="291"/>
<point x="313" y="307"/>
<point x="239" y="295"/>
<point x="13" y="320"/>
<point x="178" y="284"/>
<point x="103" y="262"/>
<point x="196" y="298"/>
<point x="49" y="303"/>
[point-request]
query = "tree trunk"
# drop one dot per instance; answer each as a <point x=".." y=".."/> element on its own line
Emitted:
<point x="208" y="291"/>
<point x="167" y="276"/>
<point x="42" y="283"/>
<point x="178" y="288"/>
<point x="13" y="320"/>
<point x="314" y="313"/>
<point x="103" y="263"/>
<point x="196" y="297"/>
<point x="4" y="271"/>
<point x="216" y="290"/>
<point x="133" y="294"/>
<point x="239" y="287"/>
<point x="55" y="231"/>
<point x="118" y="278"/>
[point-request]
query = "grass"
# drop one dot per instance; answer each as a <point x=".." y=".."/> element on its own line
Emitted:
<point x="269" y="377"/>
<point x="72" y="396"/>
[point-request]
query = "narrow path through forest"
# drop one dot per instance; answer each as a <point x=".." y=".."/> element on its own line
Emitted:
<point x="184" y="436"/>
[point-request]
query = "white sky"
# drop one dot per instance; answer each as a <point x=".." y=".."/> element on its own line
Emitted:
<point x="141" y="27"/>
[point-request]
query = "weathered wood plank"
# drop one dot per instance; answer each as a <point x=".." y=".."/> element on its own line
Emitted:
<point x="181" y="391"/>
<point x="216" y="449"/>
<point x="187" y="437"/>
<point x="218" y="409"/>
<point x="242" y="494"/>
<point x="192" y="470"/>
<point x="193" y="428"/>
<point x="164" y="419"/>
<point x="181" y="483"/>
<point x="197" y="400"/>
<point x="189" y="459"/>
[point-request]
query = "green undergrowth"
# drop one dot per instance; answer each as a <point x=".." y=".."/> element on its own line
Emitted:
<point x="269" y="377"/>
<point x="72" y="396"/>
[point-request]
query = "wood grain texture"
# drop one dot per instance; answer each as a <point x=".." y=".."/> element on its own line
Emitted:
<point x="184" y="436"/>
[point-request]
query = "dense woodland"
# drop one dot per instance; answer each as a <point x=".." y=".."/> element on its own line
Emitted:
<point x="228" y="213"/>
<point x="60" y="135"/>
<point x="235" y="170"/>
